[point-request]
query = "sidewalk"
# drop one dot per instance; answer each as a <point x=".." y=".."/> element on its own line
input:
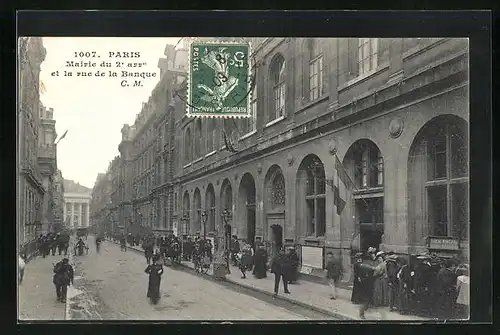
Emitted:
<point x="310" y="295"/>
<point x="37" y="295"/>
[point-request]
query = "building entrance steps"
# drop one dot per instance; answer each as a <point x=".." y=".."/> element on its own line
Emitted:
<point x="311" y="295"/>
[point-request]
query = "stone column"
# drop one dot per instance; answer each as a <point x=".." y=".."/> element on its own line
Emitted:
<point x="64" y="213"/>
<point x="80" y="214"/>
<point x="87" y="210"/>
<point x="72" y="220"/>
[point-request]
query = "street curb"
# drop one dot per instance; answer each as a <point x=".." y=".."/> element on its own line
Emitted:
<point x="340" y="316"/>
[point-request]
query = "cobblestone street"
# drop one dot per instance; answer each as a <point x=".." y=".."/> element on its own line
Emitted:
<point x="113" y="286"/>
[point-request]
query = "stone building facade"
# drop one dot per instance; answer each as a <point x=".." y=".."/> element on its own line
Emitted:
<point x="100" y="204"/>
<point x="31" y="190"/>
<point x="355" y="142"/>
<point x="76" y="205"/>
<point x="393" y="112"/>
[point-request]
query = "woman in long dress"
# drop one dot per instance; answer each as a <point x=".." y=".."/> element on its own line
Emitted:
<point x="381" y="283"/>
<point x="260" y="266"/>
<point x="155" y="272"/>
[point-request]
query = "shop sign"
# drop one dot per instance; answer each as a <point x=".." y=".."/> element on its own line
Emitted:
<point x="443" y="243"/>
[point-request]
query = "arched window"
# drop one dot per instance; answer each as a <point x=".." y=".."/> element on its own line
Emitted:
<point x="197" y="140"/>
<point x="197" y="210"/>
<point x="187" y="147"/>
<point x="277" y="80"/>
<point x="278" y="195"/>
<point x="211" y="131"/>
<point x="311" y="196"/>
<point x="210" y="205"/>
<point x="368" y="165"/>
<point x="438" y="180"/>
<point x="186" y="209"/>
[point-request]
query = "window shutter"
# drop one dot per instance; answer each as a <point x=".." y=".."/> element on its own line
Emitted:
<point x="352" y="54"/>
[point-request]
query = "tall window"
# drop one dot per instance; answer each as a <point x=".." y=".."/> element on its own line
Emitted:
<point x="210" y="204"/>
<point x="211" y="131"/>
<point x="447" y="181"/>
<point x="315" y="197"/>
<point x="278" y="190"/>
<point x="198" y="138"/>
<point x="187" y="147"/>
<point x="250" y="124"/>
<point x="316" y="78"/>
<point x="369" y="166"/>
<point x="367" y="54"/>
<point x="278" y="87"/>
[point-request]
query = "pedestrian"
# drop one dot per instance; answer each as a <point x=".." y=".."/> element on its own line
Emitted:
<point x="393" y="266"/>
<point x="123" y="243"/>
<point x="333" y="274"/>
<point x="235" y="249"/>
<point x="380" y="284"/>
<point x="260" y="262"/>
<point x="405" y="279"/>
<point x="365" y="273"/>
<point x="446" y="288"/>
<point x="63" y="277"/>
<point x="356" y="287"/>
<point x="21" y="267"/>
<point x="245" y="259"/>
<point x="155" y="271"/>
<point x="53" y="244"/>
<point x="148" y="251"/>
<point x="278" y="268"/>
<point x="462" y="287"/>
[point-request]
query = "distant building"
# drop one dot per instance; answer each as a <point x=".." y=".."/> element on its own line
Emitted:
<point x="76" y="204"/>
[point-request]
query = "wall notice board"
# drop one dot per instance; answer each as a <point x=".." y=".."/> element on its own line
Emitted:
<point x="312" y="257"/>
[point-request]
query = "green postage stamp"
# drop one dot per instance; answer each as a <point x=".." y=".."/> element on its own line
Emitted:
<point x="219" y="80"/>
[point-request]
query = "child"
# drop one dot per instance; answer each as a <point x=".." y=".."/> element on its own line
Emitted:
<point x="333" y="275"/>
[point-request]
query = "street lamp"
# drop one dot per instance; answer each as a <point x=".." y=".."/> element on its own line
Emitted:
<point x="204" y="218"/>
<point x="227" y="239"/>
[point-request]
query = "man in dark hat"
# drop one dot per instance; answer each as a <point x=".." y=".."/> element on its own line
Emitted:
<point x="63" y="277"/>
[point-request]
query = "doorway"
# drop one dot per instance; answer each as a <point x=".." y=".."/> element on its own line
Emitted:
<point x="370" y="237"/>
<point x="277" y="238"/>
<point x="251" y="225"/>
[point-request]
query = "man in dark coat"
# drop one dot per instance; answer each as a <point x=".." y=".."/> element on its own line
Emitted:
<point x="280" y="269"/>
<point x="63" y="276"/>
<point x="406" y="290"/>
<point x="155" y="271"/>
<point x="446" y="279"/>
<point x="364" y="271"/>
<point x="393" y="265"/>
<point x="356" y="288"/>
<point x="260" y="262"/>
<point x="148" y="247"/>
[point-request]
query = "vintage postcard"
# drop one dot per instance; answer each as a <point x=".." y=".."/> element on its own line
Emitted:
<point x="240" y="178"/>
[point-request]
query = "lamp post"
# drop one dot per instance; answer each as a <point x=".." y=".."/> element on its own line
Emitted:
<point x="225" y="217"/>
<point x="204" y="218"/>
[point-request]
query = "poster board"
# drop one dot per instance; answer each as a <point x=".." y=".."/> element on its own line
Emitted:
<point x="312" y="257"/>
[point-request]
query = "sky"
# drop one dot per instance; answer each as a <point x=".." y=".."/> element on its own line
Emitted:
<point x="94" y="109"/>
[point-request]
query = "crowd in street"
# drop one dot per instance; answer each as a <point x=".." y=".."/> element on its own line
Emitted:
<point x="424" y="285"/>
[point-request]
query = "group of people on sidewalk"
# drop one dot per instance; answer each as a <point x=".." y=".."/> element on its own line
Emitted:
<point x="50" y="243"/>
<point x="426" y="285"/>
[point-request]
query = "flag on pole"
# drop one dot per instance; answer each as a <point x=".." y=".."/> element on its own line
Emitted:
<point x="344" y="187"/>
<point x="42" y="88"/>
<point x="63" y="136"/>
<point x="228" y="143"/>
